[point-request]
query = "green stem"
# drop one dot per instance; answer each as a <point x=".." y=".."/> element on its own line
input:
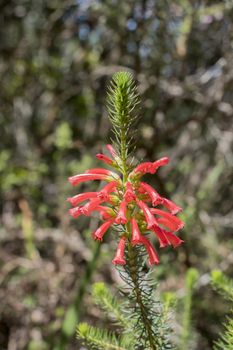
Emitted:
<point x="124" y="154"/>
<point x="132" y="264"/>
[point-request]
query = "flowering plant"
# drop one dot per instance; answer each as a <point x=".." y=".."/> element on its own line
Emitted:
<point x="133" y="209"/>
<point x="126" y="206"/>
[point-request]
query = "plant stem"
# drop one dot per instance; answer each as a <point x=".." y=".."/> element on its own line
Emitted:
<point x="132" y="264"/>
<point x="124" y="153"/>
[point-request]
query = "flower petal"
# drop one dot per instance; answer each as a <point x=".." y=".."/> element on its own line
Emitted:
<point x="136" y="234"/>
<point x="99" y="233"/>
<point x="173" y="239"/>
<point x="111" y="150"/>
<point x="81" y="197"/>
<point x="90" y="206"/>
<point x="121" y="216"/>
<point x="104" y="158"/>
<point x="168" y="220"/>
<point x="172" y="207"/>
<point x="119" y="257"/>
<point x="76" y="179"/>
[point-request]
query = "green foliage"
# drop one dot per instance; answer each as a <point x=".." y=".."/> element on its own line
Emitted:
<point x="122" y="101"/>
<point x="130" y="317"/>
<point x="100" y="339"/>
<point x="145" y="311"/>
<point x="224" y="285"/>
<point x="63" y="136"/>
<point x="105" y="300"/>
<point x="186" y="335"/>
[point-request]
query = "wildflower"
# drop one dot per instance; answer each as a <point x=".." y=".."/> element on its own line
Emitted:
<point x="154" y="196"/>
<point x="99" y="233"/>
<point x="104" y="158"/>
<point x="119" y="257"/>
<point x="104" y="193"/>
<point x="81" y="197"/>
<point x="150" y="219"/>
<point x="150" y="167"/>
<point x="129" y="195"/>
<point x="111" y="150"/>
<point x="77" y="179"/>
<point x="131" y="202"/>
<point x="121" y="217"/>
<point x="136" y="234"/>
<point x="90" y="206"/>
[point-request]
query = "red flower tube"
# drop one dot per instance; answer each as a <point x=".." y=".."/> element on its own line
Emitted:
<point x="121" y="216"/>
<point x="111" y="150"/>
<point x="102" y="171"/>
<point x="173" y="239"/>
<point x="168" y="220"/>
<point x="148" y="215"/>
<point x="155" y="197"/>
<point x="153" y="256"/>
<point x="77" y="179"/>
<point x="104" y="158"/>
<point x="104" y="193"/>
<point x="129" y="195"/>
<point x="150" y="167"/>
<point x="105" y="212"/>
<point x="172" y="207"/>
<point x="99" y="233"/>
<point x="90" y="206"/>
<point x="119" y="257"/>
<point x="136" y="234"/>
<point x="75" y="212"/>
<point x="161" y="235"/>
<point x="81" y="197"/>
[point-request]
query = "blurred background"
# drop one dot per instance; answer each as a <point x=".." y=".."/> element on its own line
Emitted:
<point x="57" y="57"/>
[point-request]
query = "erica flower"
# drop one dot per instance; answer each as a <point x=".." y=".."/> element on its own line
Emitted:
<point x="99" y="233"/>
<point x="121" y="216"/>
<point x="149" y="167"/>
<point x="119" y="257"/>
<point x="130" y="202"/>
<point x="104" y="158"/>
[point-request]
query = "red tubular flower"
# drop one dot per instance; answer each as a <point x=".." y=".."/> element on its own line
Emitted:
<point x="99" y="233"/>
<point x="105" y="212"/>
<point x="111" y="150"/>
<point x="168" y="220"/>
<point x="75" y="212"/>
<point x="77" y="179"/>
<point x="102" y="171"/>
<point x="104" y="193"/>
<point x="136" y="234"/>
<point x="173" y="239"/>
<point x="123" y="199"/>
<point x="153" y="256"/>
<point x="81" y="197"/>
<point x="129" y="195"/>
<point x="172" y="207"/>
<point x="150" y="219"/>
<point x="155" y="197"/>
<point x="121" y="216"/>
<point x="119" y="257"/>
<point x="161" y="235"/>
<point x="104" y="158"/>
<point x="90" y="206"/>
<point x="150" y="167"/>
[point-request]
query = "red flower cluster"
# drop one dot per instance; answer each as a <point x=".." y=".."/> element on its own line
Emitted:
<point x="127" y="203"/>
